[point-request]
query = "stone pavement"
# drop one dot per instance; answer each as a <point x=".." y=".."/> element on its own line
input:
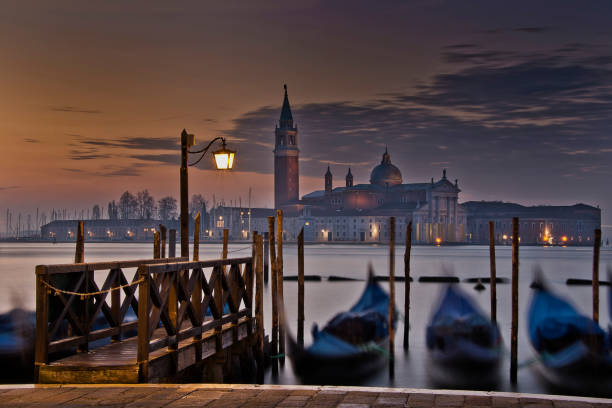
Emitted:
<point x="267" y="396"/>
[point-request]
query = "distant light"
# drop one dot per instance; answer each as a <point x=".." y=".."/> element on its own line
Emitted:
<point x="438" y="240"/>
<point x="504" y="236"/>
<point x="220" y="217"/>
<point x="564" y="238"/>
<point x="307" y="223"/>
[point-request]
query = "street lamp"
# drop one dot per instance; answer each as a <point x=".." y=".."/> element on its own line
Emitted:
<point x="224" y="160"/>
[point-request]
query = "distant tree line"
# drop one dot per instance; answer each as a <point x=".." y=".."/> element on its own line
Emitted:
<point x="142" y="206"/>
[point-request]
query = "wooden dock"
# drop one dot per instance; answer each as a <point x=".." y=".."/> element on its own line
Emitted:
<point x="186" y="315"/>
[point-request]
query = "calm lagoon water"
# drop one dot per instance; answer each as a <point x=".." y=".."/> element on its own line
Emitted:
<point x="324" y="299"/>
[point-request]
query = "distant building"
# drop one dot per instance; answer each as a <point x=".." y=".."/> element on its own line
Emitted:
<point x="538" y="225"/>
<point x="106" y="230"/>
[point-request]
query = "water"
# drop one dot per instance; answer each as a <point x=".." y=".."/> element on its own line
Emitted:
<point x="324" y="299"/>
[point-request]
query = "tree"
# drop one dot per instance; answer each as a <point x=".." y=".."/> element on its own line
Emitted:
<point x="146" y="205"/>
<point x="95" y="212"/>
<point x="128" y="206"/>
<point x="167" y="208"/>
<point x="113" y="212"/>
<point x="198" y="203"/>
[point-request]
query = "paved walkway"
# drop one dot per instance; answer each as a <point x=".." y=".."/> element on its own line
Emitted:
<point x="221" y="396"/>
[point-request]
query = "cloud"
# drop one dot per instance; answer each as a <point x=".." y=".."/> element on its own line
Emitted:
<point x="173" y="159"/>
<point x="136" y="143"/>
<point x="498" y="108"/>
<point x="73" y="109"/>
<point x="30" y="140"/>
<point x="7" y="188"/>
<point x="532" y="30"/>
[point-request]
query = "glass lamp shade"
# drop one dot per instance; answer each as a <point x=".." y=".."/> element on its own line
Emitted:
<point x="224" y="159"/>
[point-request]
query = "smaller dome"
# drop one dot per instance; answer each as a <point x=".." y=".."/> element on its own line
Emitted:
<point x="386" y="174"/>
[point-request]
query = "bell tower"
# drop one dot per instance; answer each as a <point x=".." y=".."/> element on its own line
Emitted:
<point x="286" y="155"/>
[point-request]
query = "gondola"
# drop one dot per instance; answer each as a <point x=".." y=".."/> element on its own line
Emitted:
<point x="351" y="346"/>
<point x="465" y="346"/>
<point x="573" y="351"/>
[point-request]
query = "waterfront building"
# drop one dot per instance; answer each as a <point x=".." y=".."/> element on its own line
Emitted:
<point x="538" y="225"/>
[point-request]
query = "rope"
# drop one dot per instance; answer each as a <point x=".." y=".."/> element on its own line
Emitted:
<point x="239" y="249"/>
<point x="87" y="294"/>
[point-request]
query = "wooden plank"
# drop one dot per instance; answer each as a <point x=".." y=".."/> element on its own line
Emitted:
<point x="175" y="266"/>
<point x="143" y="325"/>
<point x="259" y="315"/>
<point x="96" y="266"/>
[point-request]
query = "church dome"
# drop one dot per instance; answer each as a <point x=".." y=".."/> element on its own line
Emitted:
<point x="386" y="174"/>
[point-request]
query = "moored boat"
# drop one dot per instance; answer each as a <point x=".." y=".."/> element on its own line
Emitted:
<point x="573" y="350"/>
<point x="465" y="346"/>
<point x="351" y="346"/>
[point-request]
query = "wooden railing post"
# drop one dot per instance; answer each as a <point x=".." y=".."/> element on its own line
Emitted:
<point x="493" y="281"/>
<point x="407" y="284"/>
<point x="41" y="350"/>
<point x="196" y="296"/>
<point x="596" y="247"/>
<point x="79" y="254"/>
<point x="280" y="285"/>
<point x="172" y="307"/>
<point x="300" y="322"/>
<point x="391" y="297"/>
<point x="259" y="309"/>
<point x="143" y="325"/>
<point x="116" y="304"/>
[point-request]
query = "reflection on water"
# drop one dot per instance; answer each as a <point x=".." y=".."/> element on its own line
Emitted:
<point x="324" y="299"/>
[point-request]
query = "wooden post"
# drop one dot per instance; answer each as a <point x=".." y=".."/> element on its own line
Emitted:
<point x="493" y="282"/>
<point x="172" y="243"/>
<point x="186" y="141"/>
<point x="515" y="299"/>
<point x="391" y="296"/>
<point x="116" y="303"/>
<point x="79" y="254"/>
<point x="225" y="242"/>
<point x="279" y="283"/>
<point x="300" y="322"/>
<point x="259" y="310"/>
<point x="156" y="245"/>
<point x="163" y="240"/>
<point x="196" y="238"/>
<point x="266" y="257"/>
<point x="172" y="305"/>
<point x="596" y="246"/>
<point x="41" y="351"/>
<point x="143" y="326"/>
<point x="407" y="284"/>
<point x="218" y="299"/>
<point x="271" y="243"/>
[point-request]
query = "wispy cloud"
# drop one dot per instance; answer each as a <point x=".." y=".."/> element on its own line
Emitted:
<point x="74" y="109"/>
<point x="7" y="188"/>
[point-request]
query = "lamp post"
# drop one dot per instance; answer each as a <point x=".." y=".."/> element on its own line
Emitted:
<point x="224" y="160"/>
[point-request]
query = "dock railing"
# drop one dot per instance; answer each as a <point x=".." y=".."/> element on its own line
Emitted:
<point x="187" y="300"/>
<point x="174" y="299"/>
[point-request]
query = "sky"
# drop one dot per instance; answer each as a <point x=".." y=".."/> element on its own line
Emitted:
<point x="514" y="99"/>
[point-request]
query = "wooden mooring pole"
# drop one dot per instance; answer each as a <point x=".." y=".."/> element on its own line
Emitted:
<point x="163" y="240"/>
<point x="391" y="296"/>
<point x="259" y="314"/>
<point x="156" y="245"/>
<point x="172" y="243"/>
<point x="515" y="299"/>
<point x="493" y="281"/>
<point x="271" y="244"/>
<point x="279" y="283"/>
<point x="79" y="253"/>
<point x="300" y="322"/>
<point x="596" y="246"/>
<point x="225" y="243"/>
<point x="266" y="243"/>
<point x="196" y="237"/>
<point x="407" y="284"/>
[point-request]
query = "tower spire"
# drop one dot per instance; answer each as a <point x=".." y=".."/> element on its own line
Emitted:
<point x="286" y="118"/>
